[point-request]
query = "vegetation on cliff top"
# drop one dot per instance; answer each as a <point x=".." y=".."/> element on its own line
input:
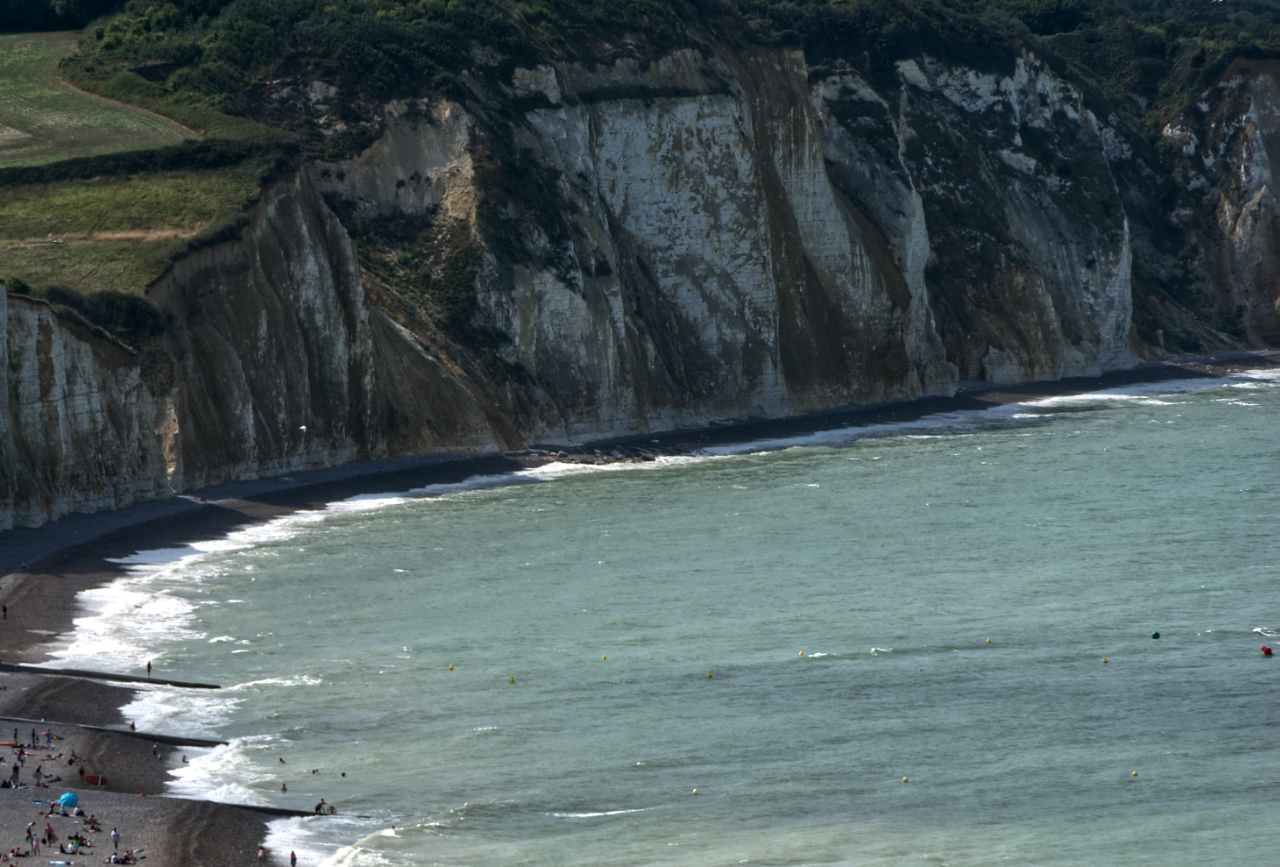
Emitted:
<point x="115" y="233"/>
<point x="42" y="120"/>
<point x="218" y="66"/>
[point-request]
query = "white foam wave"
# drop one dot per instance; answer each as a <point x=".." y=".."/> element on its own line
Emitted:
<point x="198" y="712"/>
<point x="563" y="469"/>
<point x="297" y="680"/>
<point x="318" y="841"/>
<point x="216" y="774"/>
<point x="594" y="815"/>
<point x="965" y="421"/>
<point x="123" y="618"/>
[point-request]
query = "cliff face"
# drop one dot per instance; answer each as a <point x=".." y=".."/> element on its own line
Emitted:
<point x="282" y="363"/>
<point x="997" y="193"/>
<point x="585" y="253"/>
<point x="79" y="429"/>
<point x="1229" y="144"/>
<point x="698" y="262"/>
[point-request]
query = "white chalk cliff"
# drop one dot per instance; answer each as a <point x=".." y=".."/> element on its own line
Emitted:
<point x="707" y="236"/>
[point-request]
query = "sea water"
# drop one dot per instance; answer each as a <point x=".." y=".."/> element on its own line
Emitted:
<point x="922" y="643"/>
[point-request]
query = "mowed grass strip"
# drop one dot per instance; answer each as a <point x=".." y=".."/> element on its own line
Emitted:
<point x="43" y="120"/>
<point x="114" y="233"/>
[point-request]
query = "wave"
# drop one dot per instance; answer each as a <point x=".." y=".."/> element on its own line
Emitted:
<point x="960" y="422"/>
<point x="595" y="815"/>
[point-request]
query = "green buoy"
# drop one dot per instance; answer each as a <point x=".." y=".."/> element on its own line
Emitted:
<point x="1155" y="635"/>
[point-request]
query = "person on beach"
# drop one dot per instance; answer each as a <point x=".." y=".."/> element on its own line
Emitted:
<point x="293" y="859"/>
<point x="38" y="774"/>
<point x="115" y="838"/>
<point x="148" y="668"/>
<point x="262" y="853"/>
<point x="284" y="787"/>
<point x="5" y="610"/>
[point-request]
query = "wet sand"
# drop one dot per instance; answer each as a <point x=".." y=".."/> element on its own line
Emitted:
<point x="71" y="556"/>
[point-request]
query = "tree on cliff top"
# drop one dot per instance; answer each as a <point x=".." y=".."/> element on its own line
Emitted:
<point x="185" y="57"/>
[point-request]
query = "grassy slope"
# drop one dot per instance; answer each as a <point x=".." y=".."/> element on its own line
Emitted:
<point x="43" y="120"/>
<point x="118" y="232"/>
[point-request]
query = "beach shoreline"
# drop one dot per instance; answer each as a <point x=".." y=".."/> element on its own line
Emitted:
<point x="74" y="555"/>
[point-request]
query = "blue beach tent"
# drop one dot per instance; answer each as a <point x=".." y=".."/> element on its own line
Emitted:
<point x="69" y="799"/>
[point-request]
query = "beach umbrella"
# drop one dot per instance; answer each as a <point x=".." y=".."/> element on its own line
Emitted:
<point x="69" y="799"/>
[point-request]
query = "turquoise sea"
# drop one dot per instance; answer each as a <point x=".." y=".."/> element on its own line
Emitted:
<point x="790" y="628"/>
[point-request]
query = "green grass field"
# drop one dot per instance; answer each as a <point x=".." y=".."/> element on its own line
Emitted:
<point x="43" y="120"/>
<point x="114" y="233"/>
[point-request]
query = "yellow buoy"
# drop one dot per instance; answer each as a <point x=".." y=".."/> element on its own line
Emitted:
<point x="1104" y="659"/>
<point x="922" y="669"/>
<point x="802" y="653"/>
<point x="1135" y="773"/>
<point x="451" y="666"/>
<point x="904" y="779"/>
<point x="602" y="656"/>
<point x="988" y="641"/>
<point x="695" y="791"/>
<point x="513" y="678"/>
<point x="708" y="674"/>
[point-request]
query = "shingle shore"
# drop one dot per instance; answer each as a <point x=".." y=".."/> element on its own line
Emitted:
<point x="170" y="831"/>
